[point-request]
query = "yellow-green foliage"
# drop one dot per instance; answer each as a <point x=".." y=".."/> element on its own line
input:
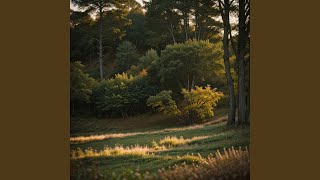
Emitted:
<point x="201" y="102"/>
<point x="163" y="102"/>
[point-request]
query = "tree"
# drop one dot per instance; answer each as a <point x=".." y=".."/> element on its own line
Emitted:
<point x="146" y="61"/>
<point x="81" y="84"/>
<point x="126" y="56"/>
<point x="99" y="8"/>
<point x="81" y="33"/>
<point x="224" y="8"/>
<point x="162" y="17"/>
<point x="136" y="32"/>
<point x="186" y="65"/>
<point x="244" y="29"/>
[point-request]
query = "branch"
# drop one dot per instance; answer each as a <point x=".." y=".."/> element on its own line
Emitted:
<point x="221" y="9"/>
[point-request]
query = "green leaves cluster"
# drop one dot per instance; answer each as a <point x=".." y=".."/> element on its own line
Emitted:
<point x="186" y="65"/>
<point x="81" y="84"/>
<point x="198" y="105"/>
<point x="200" y="102"/>
<point x="126" y="56"/>
<point x="163" y="102"/>
<point x="124" y="94"/>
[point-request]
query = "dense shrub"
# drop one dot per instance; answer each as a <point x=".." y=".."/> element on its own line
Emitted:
<point x="199" y="103"/>
<point x="124" y="94"/>
<point x="163" y="102"/>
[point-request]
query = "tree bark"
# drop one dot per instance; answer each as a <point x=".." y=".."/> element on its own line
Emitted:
<point x="225" y="17"/>
<point x="248" y="94"/>
<point x="240" y="59"/>
<point x="186" y="26"/>
<point x="100" y="43"/>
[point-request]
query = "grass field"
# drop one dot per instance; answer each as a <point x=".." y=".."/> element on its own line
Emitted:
<point x="150" y="142"/>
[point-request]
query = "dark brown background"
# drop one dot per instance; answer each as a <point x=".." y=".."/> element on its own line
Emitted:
<point x="34" y="74"/>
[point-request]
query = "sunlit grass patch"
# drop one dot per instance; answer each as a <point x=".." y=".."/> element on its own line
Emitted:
<point x="174" y="141"/>
<point x="117" y="150"/>
<point x="230" y="164"/>
<point x="101" y="137"/>
<point x="190" y="159"/>
<point x="84" y="139"/>
<point x="234" y="164"/>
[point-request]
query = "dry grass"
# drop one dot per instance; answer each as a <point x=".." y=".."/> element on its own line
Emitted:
<point x="174" y="141"/>
<point x="101" y="137"/>
<point x="118" y="150"/>
<point x="232" y="164"/>
<point x="81" y="139"/>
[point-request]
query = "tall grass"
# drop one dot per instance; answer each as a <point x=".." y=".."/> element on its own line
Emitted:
<point x="231" y="164"/>
<point x="174" y="141"/>
<point x="117" y="150"/>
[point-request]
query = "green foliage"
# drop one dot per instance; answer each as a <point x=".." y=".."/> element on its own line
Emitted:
<point x="126" y="56"/>
<point x="163" y="102"/>
<point x="137" y="30"/>
<point x="124" y="94"/>
<point x="81" y="85"/>
<point x="149" y="59"/>
<point x="189" y="64"/>
<point x="200" y="102"/>
<point x="81" y="32"/>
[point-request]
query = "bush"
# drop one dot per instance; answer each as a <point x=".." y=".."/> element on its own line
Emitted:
<point x="199" y="103"/>
<point x="124" y="94"/>
<point x="163" y="102"/>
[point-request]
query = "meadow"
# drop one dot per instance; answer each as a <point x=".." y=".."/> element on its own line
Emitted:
<point x="146" y="145"/>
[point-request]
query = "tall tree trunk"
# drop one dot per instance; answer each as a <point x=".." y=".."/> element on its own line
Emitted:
<point x="172" y="34"/>
<point x="241" y="56"/>
<point x="186" y="26"/>
<point x="100" y="43"/>
<point x="248" y="93"/>
<point x="225" y="17"/>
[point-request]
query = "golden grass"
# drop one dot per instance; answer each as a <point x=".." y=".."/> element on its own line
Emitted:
<point x="232" y="164"/>
<point x="174" y="141"/>
<point x="118" y="150"/>
<point x="81" y="139"/>
<point x="101" y="137"/>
